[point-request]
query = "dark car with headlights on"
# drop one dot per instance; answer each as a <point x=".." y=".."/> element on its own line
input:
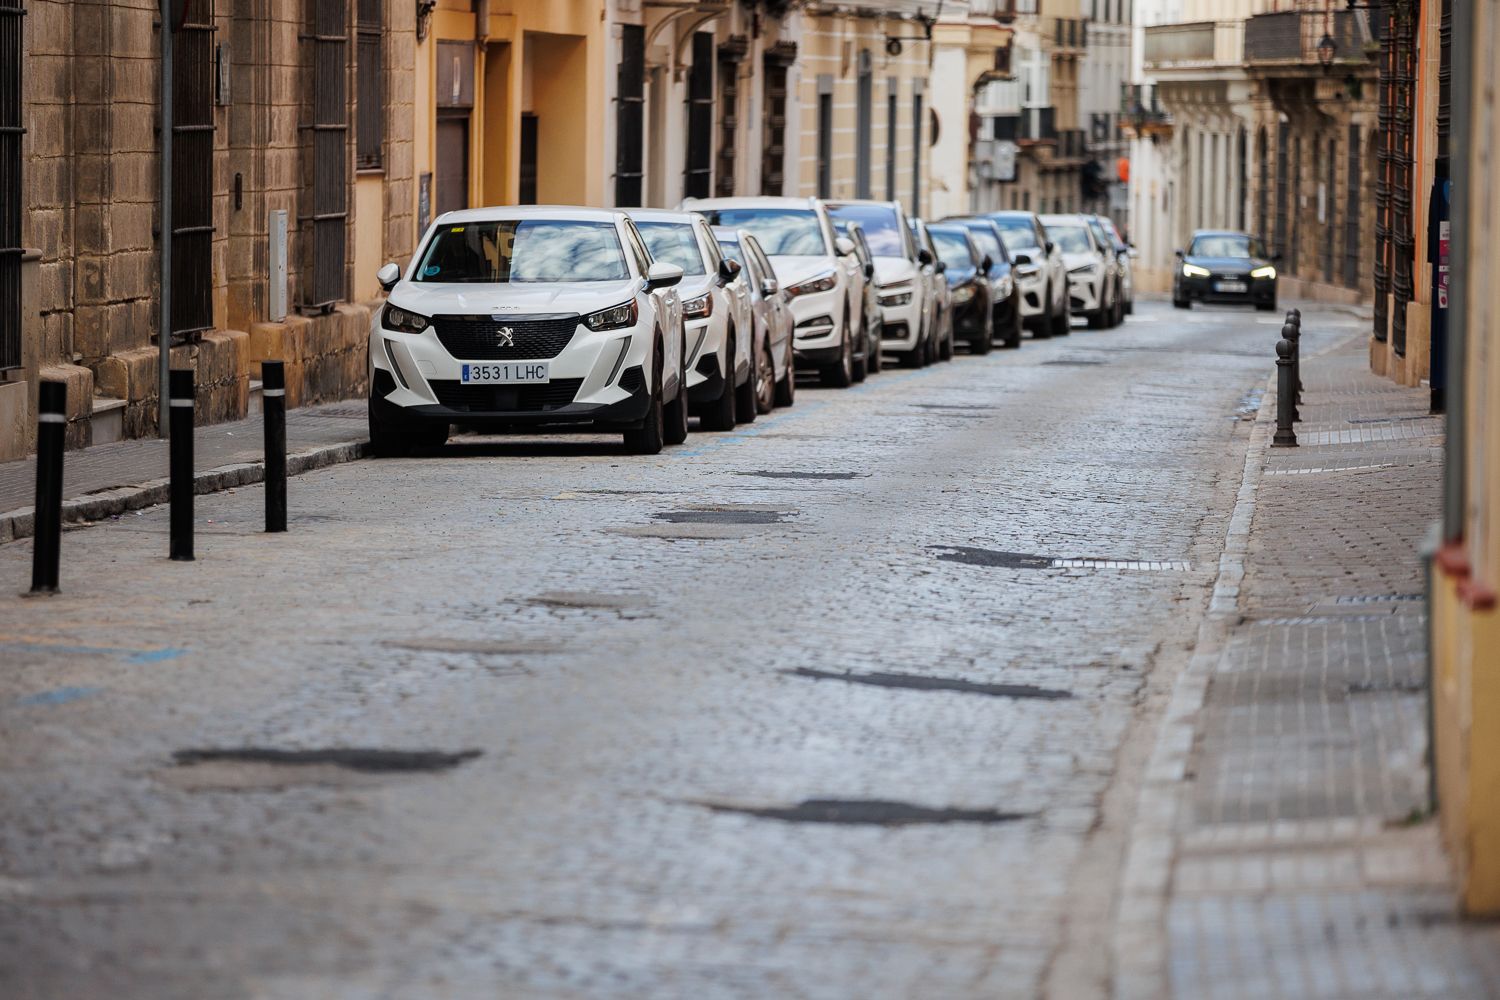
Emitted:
<point x="965" y="268"/>
<point x="1221" y="266"/>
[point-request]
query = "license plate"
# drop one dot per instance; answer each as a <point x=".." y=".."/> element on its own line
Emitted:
<point x="505" y="373"/>
<point x="1230" y="286"/>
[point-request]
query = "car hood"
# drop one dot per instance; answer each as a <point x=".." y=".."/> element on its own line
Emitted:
<point x="1072" y="260"/>
<point x="1226" y="265"/>
<point x="794" y="269"/>
<point x="431" y="298"/>
<point x="889" y="270"/>
<point x="957" y="276"/>
<point x="694" y="285"/>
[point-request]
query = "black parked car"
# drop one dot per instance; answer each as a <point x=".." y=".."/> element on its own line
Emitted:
<point x="1221" y="266"/>
<point x="1005" y="297"/>
<point x="965" y="268"/>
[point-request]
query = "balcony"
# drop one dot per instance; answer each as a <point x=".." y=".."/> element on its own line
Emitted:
<point x="998" y="97"/>
<point x="1197" y="44"/>
<point x="1141" y="114"/>
<point x="1290" y="38"/>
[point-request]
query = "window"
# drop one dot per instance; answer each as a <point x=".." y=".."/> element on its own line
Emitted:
<point x="825" y="137"/>
<point x="730" y="55"/>
<point x="11" y="131"/>
<point x="1329" y="198"/>
<point x="525" y="250"/>
<point x="369" y="87"/>
<point x="673" y="242"/>
<point x="1352" y="208"/>
<point x="916" y="153"/>
<point x="773" y="160"/>
<point x="192" y="306"/>
<point x="881" y="227"/>
<point x="890" y="140"/>
<point x="700" y="117"/>
<point x="330" y="132"/>
<point x="630" y="104"/>
<point x="864" y="125"/>
<point x="1282" y="189"/>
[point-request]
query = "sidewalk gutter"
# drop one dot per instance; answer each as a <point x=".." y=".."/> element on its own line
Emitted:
<point x="19" y="523"/>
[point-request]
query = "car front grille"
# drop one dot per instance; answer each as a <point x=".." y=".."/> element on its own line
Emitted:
<point x="483" y="338"/>
<point x="506" y="398"/>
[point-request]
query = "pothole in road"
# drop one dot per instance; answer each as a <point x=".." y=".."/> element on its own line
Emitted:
<point x="724" y="515"/>
<point x="476" y="648"/>
<point x="1075" y="362"/>
<point x="953" y="406"/>
<point x="587" y="601"/>
<point x="770" y="474"/>
<point x="866" y="812"/>
<point x="917" y="682"/>
<point x="268" y="769"/>
<point x="990" y="558"/>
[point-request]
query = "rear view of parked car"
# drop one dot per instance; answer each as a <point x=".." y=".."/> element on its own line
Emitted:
<point x="965" y="268"/>
<point x="506" y="318"/>
<point x="776" y="383"/>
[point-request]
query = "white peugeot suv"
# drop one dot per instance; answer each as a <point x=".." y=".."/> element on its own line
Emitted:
<point x="716" y="307"/>
<point x="1091" y="268"/>
<point x="906" y="302"/>
<point x="815" y="266"/>
<point x="546" y="317"/>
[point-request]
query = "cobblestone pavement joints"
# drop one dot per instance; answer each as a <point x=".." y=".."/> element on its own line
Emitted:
<point x="1282" y="839"/>
<point x="111" y="479"/>
<point x="620" y="638"/>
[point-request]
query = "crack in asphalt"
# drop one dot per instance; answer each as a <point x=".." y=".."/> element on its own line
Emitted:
<point x="917" y="682"/>
<point x="365" y="759"/>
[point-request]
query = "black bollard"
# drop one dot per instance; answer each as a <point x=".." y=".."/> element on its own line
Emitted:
<point x="1290" y="335"/>
<point x="51" y="428"/>
<point x="180" y="429"/>
<point x="273" y="403"/>
<point x="1294" y="317"/>
<point x="1286" y="436"/>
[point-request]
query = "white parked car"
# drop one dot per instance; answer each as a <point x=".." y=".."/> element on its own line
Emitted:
<point x="1091" y="278"/>
<point x="1124" y="257"/>
<point x="544" y="317"/>
<point x="815" y="266"/>
<point x="776" y="383"/>
<point x="721" y="358"/>
<point x="942" y="296"/>
<point x="906" y="303"/>
<point x="1041" y="276"/>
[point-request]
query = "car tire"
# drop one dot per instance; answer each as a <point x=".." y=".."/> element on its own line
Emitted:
<point x="1013" y="338"/>
<point x="1098" y="319"/>
<point x="1062" y="322"/>
<point x="719" y="415"/>
<point x="675" y="416"/>
<point x="744" y="395"/>
<point x="765" y="379"/>
<point x="1266" y="306"/>
<point x="945" y="352"/>
<point x="873" y="360"/>
<point x="650" y="437"/>
<point x="1129" y="307"/>
<point x="859" y="367"/>
<point x="841" y="375"/>
<point x="1042" y="325"/>
<point x="393" y="442"/>
<point x="786" y="389"/>
<point x="1186" y="304"/>
<point x="986" y="339"/>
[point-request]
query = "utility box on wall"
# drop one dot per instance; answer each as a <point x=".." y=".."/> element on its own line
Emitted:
<point x="276" y="266"/>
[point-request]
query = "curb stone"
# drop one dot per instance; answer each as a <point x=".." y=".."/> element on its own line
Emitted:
<point x="17" y="524"/>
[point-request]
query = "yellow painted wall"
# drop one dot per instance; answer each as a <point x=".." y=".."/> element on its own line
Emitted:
<point x="369" y="224"/>
<point x="558" y="62"/>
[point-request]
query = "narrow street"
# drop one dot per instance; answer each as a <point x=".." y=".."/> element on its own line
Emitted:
<point x="850" y="702"/>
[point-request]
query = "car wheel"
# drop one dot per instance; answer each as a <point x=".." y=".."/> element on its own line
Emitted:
<point x="719" y="415"/>
<point x="744" y="395"/>
<point x="387" y="441"/>
<point x="649" y="438"/>
<point x="873" y="359"/>
<point x="676" y="415"/>
<point x="786" y="389"/>
<point x="1266" y="306"/>
<point x="841" y="374"/>
<point x="860" y="367"/>
<point x="1098" y="319"/>
<point x="1186" y="304"/>
<point x="765" y="379"/>
<point x="1013" y="337"/>
<point x="1042" y="325"/>
<point x="985" y="339"/>
<point x="1062" y="322"/>
<point x="945" y="350"/>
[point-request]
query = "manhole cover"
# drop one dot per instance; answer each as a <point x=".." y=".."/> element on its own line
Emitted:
<point x="723" y="516"/>
<point x="370" y="761"/>
<point x="918" y="682"/>
<point x="866" y="812"/>
<point x="769" y="474"/>
<point x="340" y="412"/>
<point x="971" y="556"/>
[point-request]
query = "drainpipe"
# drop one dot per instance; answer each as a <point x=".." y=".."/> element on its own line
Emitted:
<point x="1455" y="449"/>
<point x="164" y="327"/>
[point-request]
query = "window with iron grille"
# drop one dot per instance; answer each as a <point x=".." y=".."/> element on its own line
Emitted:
<point x="192" y="170"/>
<point x="369" y="92"/>
<point x="730" y="55"/>
<point x="330" y="134"/>
<point x="890" y="140"/>
<point x="1263" y="184"/>
<point x="864" y="115"/>
<point x="825" y="145"/>
<point x="10" y="183"/>
<point x="1352" y="207"/>
<point x="916" y="154"/>
<point x="773" y="160"/>
<point x="1282" y="135"/>
<point x="1330" y="203"/>
<point x="700" y="123"/>
<point x="630" y="104"/>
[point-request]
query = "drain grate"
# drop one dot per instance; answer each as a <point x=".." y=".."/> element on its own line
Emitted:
<point x="970" y="556"/>
<point x="1391" y="420"/>
<point x="769" y="474"/>
<point x="917" y="682"/>
<point x="723" y="516"/>
<point x="1328" y="468"/>
<point x="1404" y="685"/>
<point x="866" y="812"/>
<point x="1321" y="619"/>
<point x="1376" y="598"/>
<point x="369" y="761"/>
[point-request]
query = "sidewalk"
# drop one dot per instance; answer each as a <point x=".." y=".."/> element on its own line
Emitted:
<point x="110" y="479"/>
<point x="1300" y="856"/>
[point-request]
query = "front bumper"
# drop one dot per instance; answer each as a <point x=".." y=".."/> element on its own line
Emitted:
<point x="1258" y="291"/>
<point x="705" y="359"/>
<point x="1085" y="292"/>
<point x="817" y="336"/>
<point x="969" y="317"/>
<point x="1033" y="295"/>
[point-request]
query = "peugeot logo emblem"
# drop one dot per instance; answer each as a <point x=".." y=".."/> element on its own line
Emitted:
<point x="506" y="337"/>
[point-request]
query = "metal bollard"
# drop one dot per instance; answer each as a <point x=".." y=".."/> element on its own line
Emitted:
<point x="51" y="428"/>
<point x="1291" y="336"/>
<point x="273" y="403"/>
<point x="180" y="429"/>
<point x="1294" y="317"/>
<point x="1286" y="436"/>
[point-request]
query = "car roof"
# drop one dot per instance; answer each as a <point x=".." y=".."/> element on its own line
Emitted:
<point x="767" y="201"/>
<point x="874" y="202"/>
<point x="1219" y="232"/>
<point x="661" y="215"/>
<point x="1073" y="217"/>
<point x="505" y="213"/>
<point x="1014" y="213"/>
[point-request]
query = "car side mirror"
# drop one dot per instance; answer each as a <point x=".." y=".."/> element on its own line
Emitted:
<point x="388" y="276"/>
<point x="1051" y="246"/>
<point x="662" y="275"/>
<point x="769" y="287"/>
<point x="985" y="263"/>
<point x="1020" y="259"/>
<point x="844" y="245"/>
<point x="1178" y="253"/>
<point x="869" y="270"/>
<point x="727" y="270"/>
<point x="940" y="266"/>
<point x="924" y="256"/>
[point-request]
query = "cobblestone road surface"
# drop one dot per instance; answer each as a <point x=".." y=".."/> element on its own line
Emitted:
<point x="675" y="790"/>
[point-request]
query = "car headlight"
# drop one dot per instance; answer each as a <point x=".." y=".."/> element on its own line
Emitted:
<point x="963" y="293"/>
<point x="1086" y="271"/>
<point x="817" y="283"/>
<point x="899" y="298"/>
<point x="402" y="320"/>
<point x="613" y="318"/>
<point x="1194" y="271"/>
<point x="1264" y="272"/>
<point x="699" y="308"/>
<point x="1006" y="287"/>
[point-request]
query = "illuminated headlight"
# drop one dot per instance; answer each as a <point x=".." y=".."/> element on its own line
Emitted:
<point x="1264" y="272"/>
<point x="700" y="307"/>
<point x="1086" y="271"/>
<point x="614" y="318"/>
<point x="402" y="321"/>
<point x="1194" y="271"/>
<point x="962" y="294"/>
<point x="819" y="283"/>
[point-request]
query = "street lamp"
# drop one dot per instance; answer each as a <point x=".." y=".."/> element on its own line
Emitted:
<point x="1327" y="49"/>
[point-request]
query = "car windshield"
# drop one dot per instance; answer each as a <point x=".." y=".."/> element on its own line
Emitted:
<point x="988" y="243"/>
<point x="1019" y="234"/>
<point x="1070" y="238"/>
<point x="1100" y="234"/>
<point x="1226" y="245"/>
<point x="791" y="232"/>
<point x="674" y="243"/>
<point x="952" y="248"/>
<point x="882" y="229"/>
<point x="524" y="250"/>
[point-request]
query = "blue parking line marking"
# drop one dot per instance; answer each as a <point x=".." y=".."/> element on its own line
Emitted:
<point x="130" y="655"/>
<point x="57" y="696"/>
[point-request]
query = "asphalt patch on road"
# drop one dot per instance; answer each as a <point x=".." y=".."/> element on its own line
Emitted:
<point x="476" y="648"/>
<point x="771" y="474"/>
<point x="362" y="759"/>
<point x="917" y="682"/>
<point x="970" y="556"/>
<point x="953" y="406"/>
<point x="1075" y="362"/>
<point x="587" y="601"/>
<point x="866" y="812"/>
<point x="723" y="515"/>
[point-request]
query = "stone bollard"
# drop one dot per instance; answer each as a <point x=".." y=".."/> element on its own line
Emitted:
<point x="1286" y="436"/>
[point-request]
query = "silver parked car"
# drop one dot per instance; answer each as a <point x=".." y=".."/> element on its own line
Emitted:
<point x="777" y="374"/>
<point x="941" y="298"/>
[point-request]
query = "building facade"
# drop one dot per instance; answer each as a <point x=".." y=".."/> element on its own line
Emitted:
<point x="1106" y="67"/>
